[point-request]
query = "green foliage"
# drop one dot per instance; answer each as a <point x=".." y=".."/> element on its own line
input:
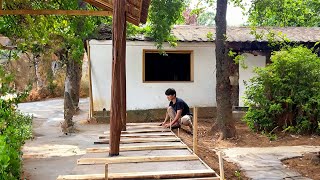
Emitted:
<point x="285" y="13"/>
<point x="163" y="14"/>
<point x="286" y="93"/>
<point x="15" y="128"/>
<point x="206" y="19"/>
<point x="238" y="174"/>
<point x="238" y="58"/>
<point x="48" y="34"/>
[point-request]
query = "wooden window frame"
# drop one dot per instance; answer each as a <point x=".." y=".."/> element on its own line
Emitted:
<point x="191" y="52"/>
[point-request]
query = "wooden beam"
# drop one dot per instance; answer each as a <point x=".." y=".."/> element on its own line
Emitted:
<point x="140" y="140"/>
<point x="221" y="166"/>
<point x="138" y="148"/>
<point x="91" y="110"/>
<point x="135" y="159"/>
<point x="118" y="41"/>
<point x="142" y="131"/>
<point x="109" y="7"/>
<point x="123" y="89"/>
<point x="143" y="124"/>
<point x="56" y="12"/>
<point x="144" y="175"/>
<point x="195" y="130"/>
<point x="163" y="174"/>
<point x="140" y="135"/>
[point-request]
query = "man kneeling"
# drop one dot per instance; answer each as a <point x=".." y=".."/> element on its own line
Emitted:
<point x="178" y="112"/>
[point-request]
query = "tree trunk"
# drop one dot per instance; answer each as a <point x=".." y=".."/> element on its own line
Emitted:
<point x="72" y="88"/>
<point x="118" y="74"/>
<point x="223" y="87"/>
<point x="70" y="95"/>
<point x="76" y="82"/>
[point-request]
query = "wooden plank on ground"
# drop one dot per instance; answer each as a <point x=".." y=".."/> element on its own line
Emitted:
<point x="143" y="175"/>
<point x="203" y="178"/>
<point x="139" y="135"/>
<point x="142" y="131"/>
<point x="138" y="124"/>
<point x="141" y="140"/>
<point x="136" y="159"/>
<point x="143" y="127"/>
<point x="138" y="148"/>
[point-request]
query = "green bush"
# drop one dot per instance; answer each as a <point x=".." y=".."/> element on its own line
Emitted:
<point x="286" y="94"/>
<point x="15" y="128"/>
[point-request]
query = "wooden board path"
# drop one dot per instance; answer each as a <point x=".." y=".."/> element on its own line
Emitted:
<point x="134" y="136"/>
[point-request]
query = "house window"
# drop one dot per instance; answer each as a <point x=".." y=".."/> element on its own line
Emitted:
<point x="175" y="66"/>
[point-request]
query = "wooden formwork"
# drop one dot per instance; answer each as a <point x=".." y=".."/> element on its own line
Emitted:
<point x="136" y="136"/>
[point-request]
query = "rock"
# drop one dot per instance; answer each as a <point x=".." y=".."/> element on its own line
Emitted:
<point x="316" y="159"/>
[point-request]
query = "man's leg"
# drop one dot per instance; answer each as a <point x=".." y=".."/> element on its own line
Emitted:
<point x="187" y="121"/>
<point x="172" y="114"/>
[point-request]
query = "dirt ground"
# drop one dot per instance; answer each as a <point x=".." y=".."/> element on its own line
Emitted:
<point x="304" y="166"/>
<point x="50" y="141"/>
<point x="247" y="138"/>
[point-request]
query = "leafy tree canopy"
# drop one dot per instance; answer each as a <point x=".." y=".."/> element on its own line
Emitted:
<point x="285" y="13"/>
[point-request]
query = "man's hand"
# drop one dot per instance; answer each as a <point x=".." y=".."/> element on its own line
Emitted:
<point x="167" y="125"/>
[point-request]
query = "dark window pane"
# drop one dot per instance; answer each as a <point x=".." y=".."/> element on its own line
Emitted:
<point x="170" y="67"/>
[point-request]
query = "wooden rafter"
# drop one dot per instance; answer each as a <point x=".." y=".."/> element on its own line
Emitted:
<point x="56" y="12"/>
<point x="133" y="12"/>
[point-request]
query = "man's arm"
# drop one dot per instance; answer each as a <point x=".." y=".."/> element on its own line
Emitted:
<point x="165" y="119"/>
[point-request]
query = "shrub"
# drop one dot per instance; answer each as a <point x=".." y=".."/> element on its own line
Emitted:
<point x="286" y="94"/>
<point x="15" y="128"/>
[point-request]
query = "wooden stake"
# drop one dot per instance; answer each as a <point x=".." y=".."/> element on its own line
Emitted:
<point x="91" y="110"/>
<point x="138" y="148"/>
<point x="195" y="130"/>
<point x="221" y="166"/>
<point x="118" y="53"/>
<point x="106" y="171"/>
<point x="135" y="159"/>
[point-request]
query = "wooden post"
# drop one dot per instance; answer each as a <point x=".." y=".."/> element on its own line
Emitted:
<point x="195" y="130"/>
<point x="90" y="82"/>
<point x="118" y="36"/>
<point x="123" y="90"/>
<point x="221" y="166"/>
<point x="106" y="171"/>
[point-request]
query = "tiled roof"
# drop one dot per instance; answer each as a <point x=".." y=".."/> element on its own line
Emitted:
<point x="187" y="33"/>
<point x="243" y="34"/>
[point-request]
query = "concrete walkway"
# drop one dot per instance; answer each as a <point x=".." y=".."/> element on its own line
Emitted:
<point x="265" y="163"/>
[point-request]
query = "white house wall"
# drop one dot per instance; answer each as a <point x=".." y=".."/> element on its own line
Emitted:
<point x="141" y="95"/>
<point x="251" y="62"/>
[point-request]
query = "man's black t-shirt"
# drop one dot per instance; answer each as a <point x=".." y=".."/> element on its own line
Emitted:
<point x="180" y="105"/>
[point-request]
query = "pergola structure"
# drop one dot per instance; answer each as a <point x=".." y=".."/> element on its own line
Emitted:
<point x="133" y="11"/>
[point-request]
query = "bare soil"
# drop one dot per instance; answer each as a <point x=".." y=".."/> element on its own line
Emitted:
<point x="304" y="166"/>
<point x="207" y="141"/>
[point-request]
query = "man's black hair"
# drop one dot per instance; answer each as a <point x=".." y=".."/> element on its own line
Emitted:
<point x="171" y="91"/>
